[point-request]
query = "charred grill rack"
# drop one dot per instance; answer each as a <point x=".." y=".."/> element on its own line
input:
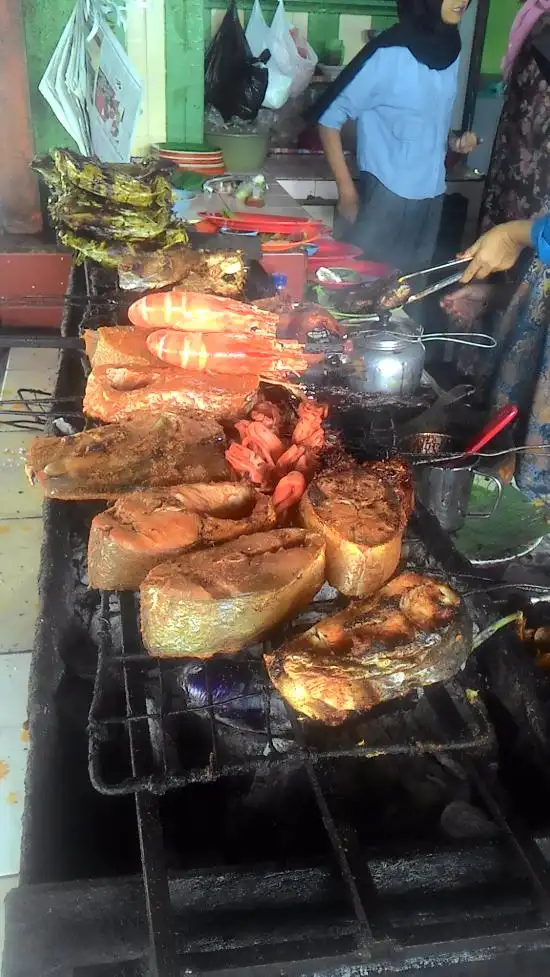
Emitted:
<point x="163" y="741"/>
<point x="357" y="907"/>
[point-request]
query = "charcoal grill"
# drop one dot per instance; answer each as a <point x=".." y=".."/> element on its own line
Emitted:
<point x="287" y="861"/>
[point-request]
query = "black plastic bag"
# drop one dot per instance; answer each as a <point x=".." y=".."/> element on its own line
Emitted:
<point x="235" y="81"/>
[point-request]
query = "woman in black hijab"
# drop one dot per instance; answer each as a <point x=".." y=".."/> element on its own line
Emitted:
<point x="400" y="89"/>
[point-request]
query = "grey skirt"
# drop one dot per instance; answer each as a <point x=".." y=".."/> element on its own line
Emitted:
<point x="390" y="229"/>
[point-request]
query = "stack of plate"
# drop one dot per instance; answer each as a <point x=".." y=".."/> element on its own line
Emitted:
<point x="194" y="158"/>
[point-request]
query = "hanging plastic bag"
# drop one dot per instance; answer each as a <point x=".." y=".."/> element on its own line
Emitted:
<point x="235" y="81"/>
<point x="294" y="57"/>
<point x="258" y="35"/>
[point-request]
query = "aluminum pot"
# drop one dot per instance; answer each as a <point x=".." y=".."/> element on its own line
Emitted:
<point x="444" y="487"/>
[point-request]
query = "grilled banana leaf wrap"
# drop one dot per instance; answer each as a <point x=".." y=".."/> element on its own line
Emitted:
<point x="107" y="211"/>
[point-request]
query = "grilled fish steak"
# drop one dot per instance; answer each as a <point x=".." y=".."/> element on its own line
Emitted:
<point x="361" y="512"/>
<point x="143" y="529"/>
<point x="217" y="601"/>
<point x="119" y="346"/>
<point x="414" y="632"/>
<point x="154" y="450"/>
<point x="115" y="393"/>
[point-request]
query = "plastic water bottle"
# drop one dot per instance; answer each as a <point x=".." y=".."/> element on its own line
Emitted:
<point x="280" y="282"/>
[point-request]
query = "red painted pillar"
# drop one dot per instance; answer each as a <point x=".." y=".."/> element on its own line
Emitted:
<point x="19" y="201"/>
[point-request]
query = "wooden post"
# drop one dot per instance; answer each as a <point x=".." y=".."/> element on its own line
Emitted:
<point x="19" y="200"/>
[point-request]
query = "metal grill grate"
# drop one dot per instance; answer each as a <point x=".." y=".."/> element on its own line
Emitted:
<point x="150" y="730"/>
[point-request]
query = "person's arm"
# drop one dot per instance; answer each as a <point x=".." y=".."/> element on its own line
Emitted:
<point x="348" y="198"/>
<point x="500" y="248"/>
<point x="348" y="105"/>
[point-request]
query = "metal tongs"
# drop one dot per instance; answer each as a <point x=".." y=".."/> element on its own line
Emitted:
<point x="432" y="289"/>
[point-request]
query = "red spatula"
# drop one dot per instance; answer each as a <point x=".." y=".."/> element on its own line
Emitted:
<point x="501" y="420"/>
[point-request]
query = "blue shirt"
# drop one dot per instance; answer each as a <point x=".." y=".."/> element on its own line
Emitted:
<point x="540" y="238"/>
<point x="403" y="111"/>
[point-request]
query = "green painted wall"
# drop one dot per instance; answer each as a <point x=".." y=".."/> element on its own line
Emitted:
<point x="501" y="16"/>
<point x="44" y="21"/>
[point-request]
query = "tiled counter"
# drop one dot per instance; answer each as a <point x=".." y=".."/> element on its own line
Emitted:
<point x="20" y="542"/>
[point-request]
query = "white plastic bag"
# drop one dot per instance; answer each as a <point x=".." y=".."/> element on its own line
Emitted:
<point x="258" y="35"/>
<point x="295" y="58"/>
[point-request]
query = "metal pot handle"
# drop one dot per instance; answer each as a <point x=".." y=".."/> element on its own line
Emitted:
<point x="479" y="339"/>
<point x="500" y="485"/>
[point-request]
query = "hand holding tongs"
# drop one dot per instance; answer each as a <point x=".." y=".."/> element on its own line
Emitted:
<point x="439" y="285"/>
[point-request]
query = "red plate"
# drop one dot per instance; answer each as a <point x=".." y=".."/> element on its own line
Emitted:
<point x="263" y="223"/>
<point x="293" y="243"/>
<point x="329" y="248"/>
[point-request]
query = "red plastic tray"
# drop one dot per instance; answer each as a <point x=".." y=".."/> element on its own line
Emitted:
<point x="329" y="248"/>
<point x="262" y="223"/>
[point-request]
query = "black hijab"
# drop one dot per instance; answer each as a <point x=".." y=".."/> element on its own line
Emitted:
<point x="420" y="29"/>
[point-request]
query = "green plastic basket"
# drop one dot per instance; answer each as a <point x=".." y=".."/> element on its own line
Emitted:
<point x="243" y="152"/>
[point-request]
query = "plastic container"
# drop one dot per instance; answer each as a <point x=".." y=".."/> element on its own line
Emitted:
<point x="243" y="152"/>
<point x="280" y="282"/>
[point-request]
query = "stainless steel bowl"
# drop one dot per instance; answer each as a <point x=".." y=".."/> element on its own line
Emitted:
<point x="226" y="184"/>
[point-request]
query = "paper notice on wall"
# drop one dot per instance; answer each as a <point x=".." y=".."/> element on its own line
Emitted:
<point x="92" y="86"/>
<point x="114" y="96"/>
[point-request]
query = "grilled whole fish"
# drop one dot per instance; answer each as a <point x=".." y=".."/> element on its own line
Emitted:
<point x="217" y="601"/>
<point x="144" y="529"/>
<point x="414" y="632"/>
<point x="154" y="450"/>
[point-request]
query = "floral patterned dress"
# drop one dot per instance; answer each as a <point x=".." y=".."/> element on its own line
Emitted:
<point x="518" y="181"/>
<point x="518" y="186"/>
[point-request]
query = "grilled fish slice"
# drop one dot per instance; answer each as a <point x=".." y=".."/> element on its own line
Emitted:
<point x="362" y="512"/>
<point x="117" y="393"/>
<point x="143" y="529"/>
<point x="414" y="632"/>
<point x="119" y="346"/>
<point x="153" y="449"/>
<point x="217" y="601"/>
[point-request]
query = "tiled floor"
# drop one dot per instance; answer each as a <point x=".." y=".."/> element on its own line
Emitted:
<point x="20" y="540"/>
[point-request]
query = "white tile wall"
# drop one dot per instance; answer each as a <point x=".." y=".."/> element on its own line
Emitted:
<point x="20" y="542"/>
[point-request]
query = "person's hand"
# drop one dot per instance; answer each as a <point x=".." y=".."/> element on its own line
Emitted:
<point x="464" y="144"/>
<point x="497" y="250"/>
<point x="348" y="204"/>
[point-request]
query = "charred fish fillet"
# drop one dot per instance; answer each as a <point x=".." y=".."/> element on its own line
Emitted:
<point x="153" y="450"/>
<point x="415" y="632"/>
